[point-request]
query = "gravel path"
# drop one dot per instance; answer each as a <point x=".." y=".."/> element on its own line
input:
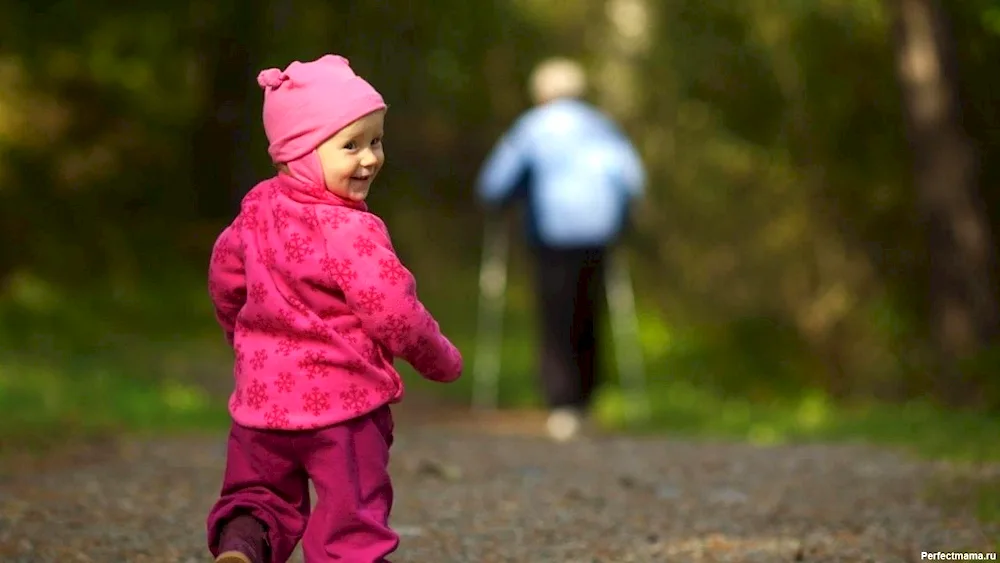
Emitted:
<point x="493" y="492"/>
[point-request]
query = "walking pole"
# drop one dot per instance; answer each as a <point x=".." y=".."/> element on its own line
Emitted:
<point x="625" y="328"/>
<point x="492" y="297"/>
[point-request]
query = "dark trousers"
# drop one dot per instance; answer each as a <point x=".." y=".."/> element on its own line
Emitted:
<point x="569" y="287"/>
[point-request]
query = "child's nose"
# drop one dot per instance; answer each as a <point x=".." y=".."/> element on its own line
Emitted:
<point x="368" y="158"/>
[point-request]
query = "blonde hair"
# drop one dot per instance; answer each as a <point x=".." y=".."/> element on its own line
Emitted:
<point x="557" y="77"/>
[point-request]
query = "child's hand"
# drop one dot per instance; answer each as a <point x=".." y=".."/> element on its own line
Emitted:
<point x="450" y="369"/>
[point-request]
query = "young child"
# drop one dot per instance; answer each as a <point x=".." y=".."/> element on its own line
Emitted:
<point x="314" y="301"/>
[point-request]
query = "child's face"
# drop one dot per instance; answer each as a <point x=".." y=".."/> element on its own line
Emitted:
<point x="353" y="156"/>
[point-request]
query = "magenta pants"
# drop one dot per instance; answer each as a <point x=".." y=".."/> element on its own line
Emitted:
<point x="267" y="476"/>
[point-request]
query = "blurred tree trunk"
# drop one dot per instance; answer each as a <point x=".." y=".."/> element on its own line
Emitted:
<point x="620" y="36"/>
<point x="621" y="41"/>
<point x="222" y="156"/>
<point x="824" y="305"/>
<point x="963" y="302"/>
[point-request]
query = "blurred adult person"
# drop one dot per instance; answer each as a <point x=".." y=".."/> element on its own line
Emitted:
<point x="578" y="176"/>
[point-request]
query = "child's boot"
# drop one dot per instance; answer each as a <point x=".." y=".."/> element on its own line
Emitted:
<point x="243" y="540"/>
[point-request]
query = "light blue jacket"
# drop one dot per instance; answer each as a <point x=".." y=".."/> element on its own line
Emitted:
<point x="575" y="167"/>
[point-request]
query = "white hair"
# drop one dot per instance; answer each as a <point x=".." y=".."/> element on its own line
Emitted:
<point x="557" y="78"/>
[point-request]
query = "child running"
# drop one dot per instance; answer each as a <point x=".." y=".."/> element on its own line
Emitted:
<point x="316" y="305"/>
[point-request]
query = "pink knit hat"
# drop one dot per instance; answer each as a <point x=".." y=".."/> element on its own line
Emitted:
<point x="308" y="103"/>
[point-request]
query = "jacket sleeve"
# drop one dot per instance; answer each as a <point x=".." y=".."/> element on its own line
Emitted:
<point x="360" y="261"/>
<point x="227" y="281"/>
<point x="504" y="169"/>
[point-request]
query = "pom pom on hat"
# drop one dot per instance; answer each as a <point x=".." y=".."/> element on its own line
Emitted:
<point x="271" y="78"/>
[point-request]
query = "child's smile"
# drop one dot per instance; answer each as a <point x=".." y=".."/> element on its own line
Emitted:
<point x="353" y="157"/>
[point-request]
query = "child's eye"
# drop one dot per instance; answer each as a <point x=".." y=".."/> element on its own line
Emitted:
<point x="351" y="145"/>
<point x="376" y="141"/>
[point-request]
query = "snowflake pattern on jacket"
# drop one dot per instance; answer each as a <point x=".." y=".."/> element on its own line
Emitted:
<point x="316" y="305"/>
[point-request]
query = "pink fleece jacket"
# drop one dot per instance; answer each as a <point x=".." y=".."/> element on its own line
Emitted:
<point x="316" y="305"/>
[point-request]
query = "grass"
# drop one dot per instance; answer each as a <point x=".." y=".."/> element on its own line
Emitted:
<point x="95" y="364"/>
<point x="47" y="405"/>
